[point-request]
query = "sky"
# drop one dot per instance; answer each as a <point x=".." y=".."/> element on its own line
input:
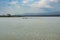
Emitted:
<point x="15" y="7"/>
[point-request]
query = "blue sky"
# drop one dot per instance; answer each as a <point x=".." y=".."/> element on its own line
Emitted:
<point x="28" y="6"/>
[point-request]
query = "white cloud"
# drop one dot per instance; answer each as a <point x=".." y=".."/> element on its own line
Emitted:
<point x="27" y="1"/>
<point x="49" y="6"/>
<point x="38" y="4"/>
<point x="41" y="4"/>
<point x="54" y="0"/>
<point x="34" y="7"/>
<point x="13" y="2"/>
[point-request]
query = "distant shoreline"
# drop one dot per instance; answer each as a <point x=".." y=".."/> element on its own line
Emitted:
<point x="33" y="16"/>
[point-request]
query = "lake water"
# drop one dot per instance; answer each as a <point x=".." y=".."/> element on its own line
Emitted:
<point x="30" y="28"/>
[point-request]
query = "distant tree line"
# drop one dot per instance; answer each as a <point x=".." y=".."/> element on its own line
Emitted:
<point x="9" y="15"/>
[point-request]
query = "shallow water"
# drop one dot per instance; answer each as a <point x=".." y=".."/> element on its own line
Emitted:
<point x="30" y="28"/>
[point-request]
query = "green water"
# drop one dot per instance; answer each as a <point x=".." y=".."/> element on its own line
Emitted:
<point x="30" y="28"/>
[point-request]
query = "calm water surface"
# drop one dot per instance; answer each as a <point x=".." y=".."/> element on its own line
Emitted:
<point x="30" y="28"/>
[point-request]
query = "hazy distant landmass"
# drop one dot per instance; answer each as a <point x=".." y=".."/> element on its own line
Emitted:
<point x="33" y="15"/>
<point x="44" y="14"/>
<point x="47" y="13"/>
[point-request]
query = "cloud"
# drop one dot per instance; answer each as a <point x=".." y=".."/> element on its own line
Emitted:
<point x="12" y="8"/>
<point x="31" y="6"/>
<point x="13" y="2"/>
<point x="49" y="6"/>
<point x="53" y="0"/>
<point x="35" y="4"/>
<point x="41" y="4"/>
<point x="25" y="1"/>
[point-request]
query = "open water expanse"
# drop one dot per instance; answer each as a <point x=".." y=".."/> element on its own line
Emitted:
<point x="29" y="28"/>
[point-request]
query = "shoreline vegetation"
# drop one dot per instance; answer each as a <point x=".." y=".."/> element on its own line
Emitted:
<point x="9" y="15"/>
<point x="32" y="16"/>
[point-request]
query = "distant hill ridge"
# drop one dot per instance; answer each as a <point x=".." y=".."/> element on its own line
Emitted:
<point x="50" y="13"/>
